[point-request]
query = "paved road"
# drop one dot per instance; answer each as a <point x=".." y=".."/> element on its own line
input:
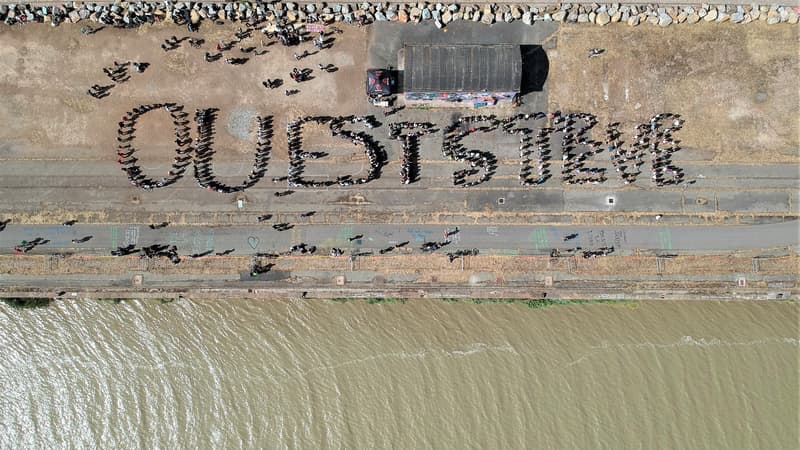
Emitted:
<point x="523" y="240"/>
<point x="100" y="187"/>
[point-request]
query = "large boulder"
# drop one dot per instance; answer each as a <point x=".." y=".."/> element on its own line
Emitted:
<point x="602" y="19"/>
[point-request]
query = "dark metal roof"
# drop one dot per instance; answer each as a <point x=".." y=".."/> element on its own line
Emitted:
<point x="379" y="82"/>
<point x="462" y="68"/>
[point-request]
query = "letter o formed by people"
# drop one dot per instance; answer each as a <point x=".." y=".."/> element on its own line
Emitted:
<point x="127" y="153"/>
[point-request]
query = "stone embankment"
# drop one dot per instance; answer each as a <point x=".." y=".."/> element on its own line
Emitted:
<point x="131" y="14"/>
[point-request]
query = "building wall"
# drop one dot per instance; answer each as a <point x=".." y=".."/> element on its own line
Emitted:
<point x="458" y="99"/>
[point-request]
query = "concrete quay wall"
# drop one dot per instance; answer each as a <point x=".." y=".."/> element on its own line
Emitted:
<point x="712" y="291"/>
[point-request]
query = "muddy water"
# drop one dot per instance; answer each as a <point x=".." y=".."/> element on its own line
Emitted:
<point x="426" y="374"/>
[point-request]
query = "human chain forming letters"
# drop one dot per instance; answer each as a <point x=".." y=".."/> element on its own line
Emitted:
<point x="577" y="147"/>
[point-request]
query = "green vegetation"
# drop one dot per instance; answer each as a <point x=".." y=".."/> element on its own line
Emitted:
<point x="535" y="303"/>
<point x="370" y="300"/>
<point x="27" y="302"/>
<point x="375" y="300"/>
<point x="530" y="303"/>
<point x="112" y="300"/>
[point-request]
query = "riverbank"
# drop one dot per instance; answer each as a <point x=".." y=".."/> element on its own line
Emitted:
<point x="41" y="302"/>
<point x="533" y="295"/>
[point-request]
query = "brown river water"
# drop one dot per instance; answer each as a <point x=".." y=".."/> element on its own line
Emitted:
<point x="314" y="374"/>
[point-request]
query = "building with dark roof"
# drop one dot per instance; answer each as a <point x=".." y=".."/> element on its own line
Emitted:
<point x="461" y="75"/>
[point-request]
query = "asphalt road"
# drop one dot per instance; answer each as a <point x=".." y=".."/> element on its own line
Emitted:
<point x="508" y="240"/>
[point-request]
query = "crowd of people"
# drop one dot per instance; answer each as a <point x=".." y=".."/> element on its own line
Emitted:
<point x="409" y="170"/>
<point x="453" y="149"/>
<point x="126" y="152"/>
<point x="174" y="42"/>
<point x="297" y="156"/>
<point x="97" y="91"/>
<point x="541" y="141"/>
<point x="26" y="246"/>
<point x="300" y="75"/>
<point x="118" y="74"/>
<point x="432" y="246"/>
<point x="236" y="61"/>
<point x="602" y="251"/>
<point x="159" y="251"/>
<point x="288" y="35"/>
<point x="661" y="146"/>
<point x="650" y="137"/>
<point x="627" y="162"/>
<point x="272" y="83"/>
<point x="574" y="170"/>
<point x="452" y="256"/>
<point x="577" y="148"/>
<point x="203" y="171"/>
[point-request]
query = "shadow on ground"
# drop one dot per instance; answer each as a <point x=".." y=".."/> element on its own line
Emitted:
<point x="535" y="67"/>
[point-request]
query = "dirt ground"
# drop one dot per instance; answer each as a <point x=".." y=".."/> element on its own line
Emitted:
<point x="428" y="269"/>
<point x="736" y="86"/>
<point x="44" y="89"/>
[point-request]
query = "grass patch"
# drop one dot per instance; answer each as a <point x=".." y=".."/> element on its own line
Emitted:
<point x="27" y="302"/>
<point x="535" y="303"/>
<point x="370" y="300"/>
<point x="530" y="303"/>
<point x="115" y="301"/>
<point x="545" y="302"/>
